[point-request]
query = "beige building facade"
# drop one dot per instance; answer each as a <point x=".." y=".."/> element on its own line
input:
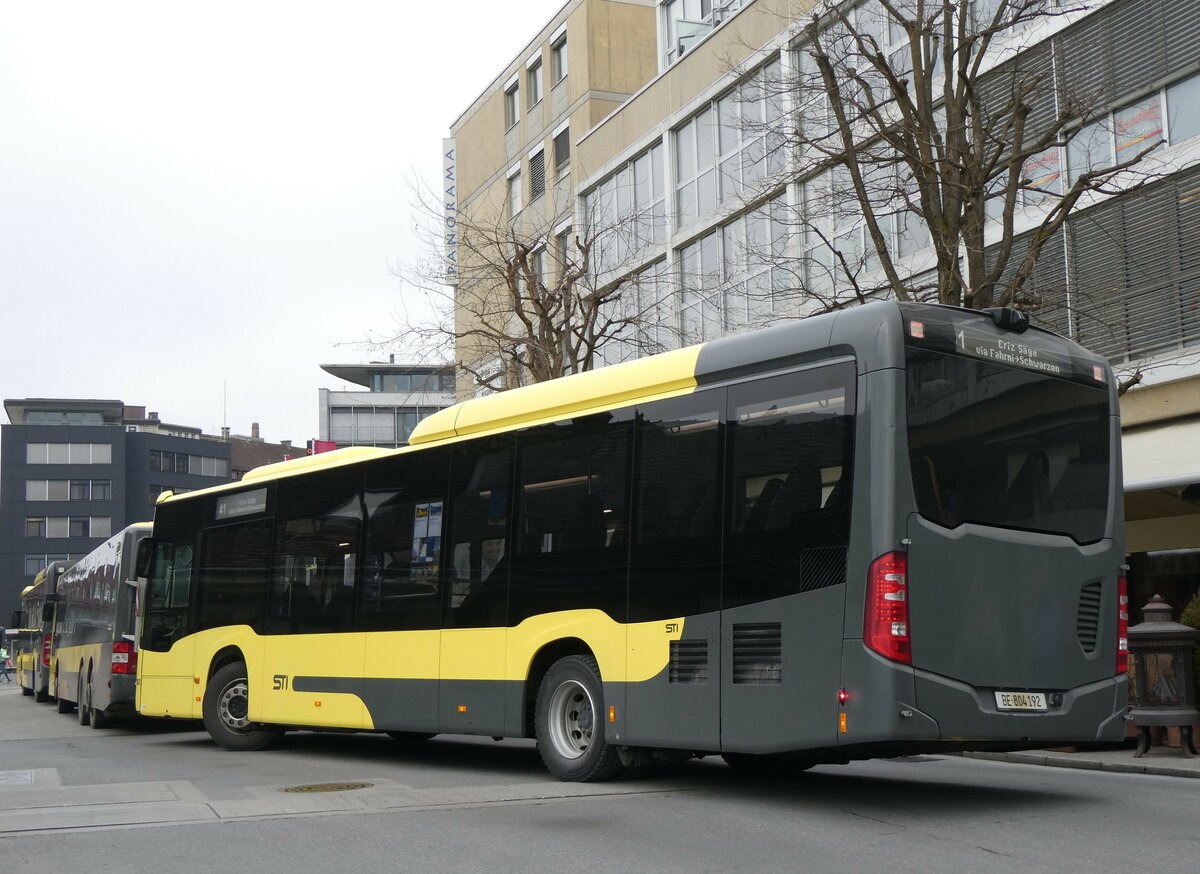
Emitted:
<point x="652" y="109"/>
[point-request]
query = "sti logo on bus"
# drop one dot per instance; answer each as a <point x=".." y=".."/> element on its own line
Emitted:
<point x="280" y="682"/>
<point x="672" y="627"/>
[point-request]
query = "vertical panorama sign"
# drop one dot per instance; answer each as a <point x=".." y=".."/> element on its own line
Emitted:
<point x="450" y="209"/>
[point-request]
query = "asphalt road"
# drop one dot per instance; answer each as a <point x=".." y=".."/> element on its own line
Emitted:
<point x="161" y="797"/>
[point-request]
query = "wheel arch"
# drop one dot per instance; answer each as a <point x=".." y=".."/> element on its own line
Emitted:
<point x="225" y="656"/>
<point x="541" y="662"/>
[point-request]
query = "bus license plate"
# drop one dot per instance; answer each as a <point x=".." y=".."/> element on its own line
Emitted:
<point x="1021" y="701"/>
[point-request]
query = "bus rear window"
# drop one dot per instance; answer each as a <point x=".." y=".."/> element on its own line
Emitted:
<point x="998" y="445"/>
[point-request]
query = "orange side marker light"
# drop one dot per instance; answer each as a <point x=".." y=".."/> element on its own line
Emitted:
<point x="462" y="708"/>
<point x="842" y="723"/>
<point x="612" y="715"/>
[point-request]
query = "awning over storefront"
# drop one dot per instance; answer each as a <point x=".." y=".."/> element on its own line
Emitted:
<point x="1162" y="456"/>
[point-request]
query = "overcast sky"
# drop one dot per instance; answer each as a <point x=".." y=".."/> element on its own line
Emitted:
<point x="202" y="201"/>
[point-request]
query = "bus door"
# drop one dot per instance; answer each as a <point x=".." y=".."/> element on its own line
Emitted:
<point x="674" y="643"/>
<point x="165" y="685"/>
<point x="790" y="441"/>
<point x="312" y="670"/>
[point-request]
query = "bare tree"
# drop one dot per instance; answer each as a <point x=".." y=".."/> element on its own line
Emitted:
<point x="526" y="307"/>
<point x="934" y="125"/>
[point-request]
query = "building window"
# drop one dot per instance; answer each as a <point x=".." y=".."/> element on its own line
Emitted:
<point x="81" y="490"/>
<point x="695" y="175"/>
<point x="689" y="21"/>
<point x="36" y="489"/>
<point x="628" y="210"/>
<point x="512" y="106"/>
<point x="562" y="151"/>
<point x="35" y="526"/>
<point x="79" y="526"/>
<point x="1183" y="109"/>
<point x="558" y="55"/>
<point x="514" y="192"/>
<point x="68" y="453"/>
<point x="1138" y="127"/>
<point x="58" y="526"/>
<point x="34" y="564"/>
<point x="537" y="175"/>
<point x="101" y="526"/>
<point x="101" y="490"/>
<point x="750" y="140"/>
<point x="534" y="77"/>
<point x="700" y="277"/>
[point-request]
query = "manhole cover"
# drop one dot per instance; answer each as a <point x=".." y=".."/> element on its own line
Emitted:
<point x="329" y="787"/>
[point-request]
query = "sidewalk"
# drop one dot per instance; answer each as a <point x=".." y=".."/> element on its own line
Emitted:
<point x="1160" y="760"/>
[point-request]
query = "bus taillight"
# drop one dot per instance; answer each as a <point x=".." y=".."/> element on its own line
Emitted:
<point x="47" y="640"/>
<point x="124" y="658"/>
<point x="1122" y="625"/>
<point x="885" y="625"/>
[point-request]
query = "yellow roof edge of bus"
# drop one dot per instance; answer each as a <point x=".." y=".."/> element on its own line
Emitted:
<point x="606" y="388"/>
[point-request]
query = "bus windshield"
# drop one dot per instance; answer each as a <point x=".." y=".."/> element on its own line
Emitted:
<point x="1007" y="446"/>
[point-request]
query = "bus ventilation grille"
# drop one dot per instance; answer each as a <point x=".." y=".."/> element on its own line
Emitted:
<point x="1087" y="622"/>
<point x="689" y="661"/>
<point x="758" y="654"/>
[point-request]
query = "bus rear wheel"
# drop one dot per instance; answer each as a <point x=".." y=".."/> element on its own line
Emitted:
<point x="569" y="723"/>
<point x="409" y="737"/>
<point x="227" y="712"/>
<point x="85" y="716"/>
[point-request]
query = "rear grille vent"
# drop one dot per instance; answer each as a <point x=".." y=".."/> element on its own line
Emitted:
<point x="689" y="661"/>
<point x="1087" y="621"/>
<point x="758" y="653"/>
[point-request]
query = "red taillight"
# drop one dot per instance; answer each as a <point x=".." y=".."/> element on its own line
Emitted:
<point x="47" y="641"/>
<point x="885" y="625"/>
<point x="124" y="658"/>
<point x="1122" y="625"/>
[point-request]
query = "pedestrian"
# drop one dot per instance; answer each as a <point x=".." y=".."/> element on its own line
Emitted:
<point x="4" y="665"/>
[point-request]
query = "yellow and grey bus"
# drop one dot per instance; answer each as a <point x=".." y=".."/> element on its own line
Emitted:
<point x="34" y="656"/>
<point x="95" y="656"/>
<point x="888" y="530"/>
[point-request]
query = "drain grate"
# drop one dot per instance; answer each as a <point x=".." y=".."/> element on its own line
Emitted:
<point x="328" y="787"/>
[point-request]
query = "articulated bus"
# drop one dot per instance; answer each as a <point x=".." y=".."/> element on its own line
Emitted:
<point x="34" y="658"/>
<point x="889" y="530"/>
<point x="95" y="658"/>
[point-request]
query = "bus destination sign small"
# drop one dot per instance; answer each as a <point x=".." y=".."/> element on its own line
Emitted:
<point x="1005" y="351"/>
<point x="242" y="504"/>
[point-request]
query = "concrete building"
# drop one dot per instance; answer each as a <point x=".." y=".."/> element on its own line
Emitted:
<point x="649" y="116"/>
<point x="75" y="471"/>
<point x="397" y="396"/>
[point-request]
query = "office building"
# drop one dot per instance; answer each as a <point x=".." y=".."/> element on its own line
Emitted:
<point x="396" y="397"/>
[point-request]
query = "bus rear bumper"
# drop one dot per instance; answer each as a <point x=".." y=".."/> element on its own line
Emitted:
<point x="1093" y="713"/>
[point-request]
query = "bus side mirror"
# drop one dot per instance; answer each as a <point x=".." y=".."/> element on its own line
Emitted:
<point x="48" y="611"/>
<point x="145" y="556"/>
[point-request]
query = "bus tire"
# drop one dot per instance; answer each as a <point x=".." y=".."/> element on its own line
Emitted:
<point x="569" y="725"/>
<point x="25" y="690"/>
<point x="100" y="719"/>
<point x="63" y="705"/>
<point x="85" y="716"/>
<point x="226" y="712"/>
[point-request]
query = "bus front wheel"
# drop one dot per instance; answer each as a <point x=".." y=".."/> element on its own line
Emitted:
<point x="227" y="712"/>
<point x="569" y="722"/>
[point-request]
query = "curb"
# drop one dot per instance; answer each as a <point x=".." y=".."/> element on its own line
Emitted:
<point x="1086" y="764"/>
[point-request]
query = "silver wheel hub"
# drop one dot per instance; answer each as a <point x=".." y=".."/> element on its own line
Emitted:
<point x="571" y="719"/>
<point x="233" y="706"/>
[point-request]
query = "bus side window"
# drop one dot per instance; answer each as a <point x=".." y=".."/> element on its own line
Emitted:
<point x="318" y="527"/>
<point x="406" y="511"/>
<point x="480" y="492"/>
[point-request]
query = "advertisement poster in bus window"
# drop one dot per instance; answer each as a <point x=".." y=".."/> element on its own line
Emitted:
<point x="427" y="537"/>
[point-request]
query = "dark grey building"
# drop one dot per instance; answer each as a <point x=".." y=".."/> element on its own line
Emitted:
<point x="74" y="472"/>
